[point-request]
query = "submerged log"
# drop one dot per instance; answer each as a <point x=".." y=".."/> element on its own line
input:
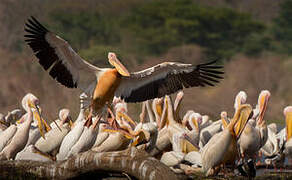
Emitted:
<point x="131" y="163"/>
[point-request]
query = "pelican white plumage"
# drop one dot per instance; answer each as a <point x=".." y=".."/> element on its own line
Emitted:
<point x="73" y="136"/>
<point x="253" y="138"/>
<point x="55" y="136"/>
<point x="13" y="116"/>
<point x="31" y="105"/>
<point x="271" y="147"/>
<point x="87" y="138"/>
<point x="218" y="150"/>
<point x="208" y="132"/>
<point x="288" y="145"/>
<point x="7" y="135"/>
<point x="31" y="153"/>
<point x="113" y="142"/>
<point x="119" y="133"/>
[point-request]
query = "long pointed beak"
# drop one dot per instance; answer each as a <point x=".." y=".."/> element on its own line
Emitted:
<point x="263" y="108"/>
<point x="195" y="123"/>
<point x="159" y="109"/>
<point x="126" y="117"/>
<point x="39" y="119"/>
<point x="70" y="122"/>
<point x="289" y="125"/>
<point x="142" y="138"/>
<point x="21" y="120"/>
<point x="47" y="126"/>
<point x="244" y="116"/>
<point x="164" y="117"/>
<point x="117" y="64"/>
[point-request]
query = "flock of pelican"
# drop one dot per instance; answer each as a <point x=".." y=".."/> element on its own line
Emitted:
<point x="187" y="144"/>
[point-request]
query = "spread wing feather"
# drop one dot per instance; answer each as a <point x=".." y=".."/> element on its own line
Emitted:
<point x="57" y="56"/>
<point x="167" y="78"/>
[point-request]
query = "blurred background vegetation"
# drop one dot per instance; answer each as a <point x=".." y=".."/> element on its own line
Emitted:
<point x="252" y="38"/>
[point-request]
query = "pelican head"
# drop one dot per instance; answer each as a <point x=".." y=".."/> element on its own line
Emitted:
<point x="195" y="120"/>
<point x="288" y="115"/>
<point x="157" y="106"/>
<point x="141" y="138"/>
<point x="186" y="117"/>
<point x="31" y="103"/>
<point x="113" y="60"/>
<point x="121" y="107"/>
<point x="13" y="116"/>
<point x="240" y="99"/>
<point x="262" y="104"/>
<point x="64" y="116"/>
<point x="180" y="95"/>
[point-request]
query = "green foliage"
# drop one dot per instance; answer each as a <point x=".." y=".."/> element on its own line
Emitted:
<point x="282" y="29"/>
<point x="83" y="29"/>
<point x="153" y="27"/>
<point x="161" y="24"/>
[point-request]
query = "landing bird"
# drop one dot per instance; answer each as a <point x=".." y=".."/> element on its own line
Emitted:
<point x="102" y="84"/>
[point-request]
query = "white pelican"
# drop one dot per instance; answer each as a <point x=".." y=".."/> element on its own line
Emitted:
<point x="69" y="69"/>
<point x="271" y="147"/>
<point x="183" y="141"/>
<point x="205" y="121"/>
<point x="157" y="110"/>
<point x="253" y="138"/>
<point x="177" y="106"/>
<point x="208" y="132"/>
<point x="222" y="147"/>
<point x="55" y="136"/>
<point x="163" y="142"/>
<point x="189" y="140"/>
<point x="31" y="105"/>
<point x="72" y="137"/>
<point x="87" y="138"/>
<point x="7" y="135"/>
<point x="13" y="116"/>
<point x="33" y="154"/>
<point x="176" y="130"/>
<point x="288" y="145"/>
<point x="118" y="137"/>
<point x="146" y="131"/>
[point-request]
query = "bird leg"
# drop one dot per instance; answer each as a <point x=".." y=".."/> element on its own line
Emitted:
<point x="88" y="122"/>
<point x="111" y="120"/>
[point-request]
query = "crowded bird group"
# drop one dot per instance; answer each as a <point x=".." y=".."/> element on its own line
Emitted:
<point x="188" y="143"/>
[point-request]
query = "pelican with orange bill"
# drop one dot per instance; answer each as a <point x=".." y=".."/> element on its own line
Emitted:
<point x="102" y="84"/>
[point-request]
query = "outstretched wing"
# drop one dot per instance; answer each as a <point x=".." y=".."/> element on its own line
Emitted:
<point x="57" y="56"/>
<point x="167" y="78"/>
